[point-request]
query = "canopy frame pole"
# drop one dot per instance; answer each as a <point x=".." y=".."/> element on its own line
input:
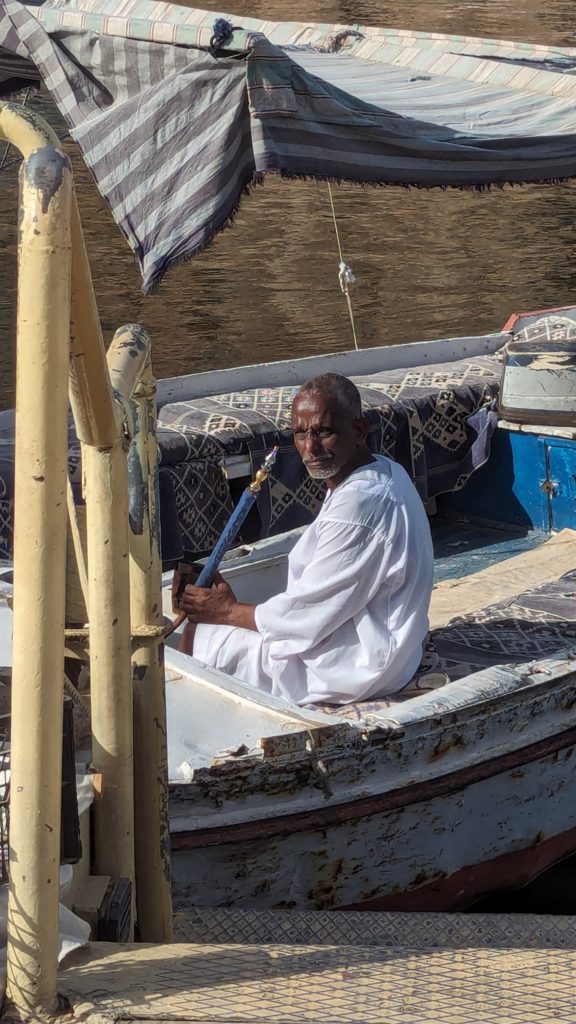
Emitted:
<point x="105" y="472"/>
<point x="152" y="831"/>
<point x="103" y="421"/>
<point x="101" y="391"/>
<point x="43" y="347"/>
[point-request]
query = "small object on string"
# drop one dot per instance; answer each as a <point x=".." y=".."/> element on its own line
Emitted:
<point x="346" y="276"/>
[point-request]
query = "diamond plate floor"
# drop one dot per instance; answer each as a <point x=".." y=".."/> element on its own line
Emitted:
<point x="215" y="925"/>
<point x="283" y="984"/>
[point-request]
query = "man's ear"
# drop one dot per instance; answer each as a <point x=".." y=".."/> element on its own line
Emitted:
<point x="361" y="428"/>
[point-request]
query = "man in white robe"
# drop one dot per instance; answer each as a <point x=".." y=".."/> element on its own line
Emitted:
<point x="351" y="622"/>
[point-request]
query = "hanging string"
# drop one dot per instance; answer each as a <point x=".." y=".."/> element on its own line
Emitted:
<point x="345" y="274"/>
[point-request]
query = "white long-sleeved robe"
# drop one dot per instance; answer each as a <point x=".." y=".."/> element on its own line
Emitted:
<point x="351" y="623"/>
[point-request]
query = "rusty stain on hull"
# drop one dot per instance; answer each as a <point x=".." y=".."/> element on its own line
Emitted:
<point x="440" y="853"/>
<point x="427" y="804"/>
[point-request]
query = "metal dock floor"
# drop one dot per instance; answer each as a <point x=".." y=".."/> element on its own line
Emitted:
<point x="468" y="981"/>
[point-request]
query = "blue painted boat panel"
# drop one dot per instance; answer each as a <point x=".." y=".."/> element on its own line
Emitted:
<point x="507" y="490"/>
<point x="528" y="483"/>
<point x="561" y="483"/>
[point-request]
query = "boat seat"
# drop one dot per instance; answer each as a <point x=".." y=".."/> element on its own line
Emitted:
<point x="514" y="628"/>
<point x="435" y="420"/>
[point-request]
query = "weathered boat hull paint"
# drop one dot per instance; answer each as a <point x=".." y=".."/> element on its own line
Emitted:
<point x="508" y="871"/>
<point x="462" y="825"/>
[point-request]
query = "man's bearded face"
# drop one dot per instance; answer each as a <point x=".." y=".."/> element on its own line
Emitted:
<point x="326" y="438"/>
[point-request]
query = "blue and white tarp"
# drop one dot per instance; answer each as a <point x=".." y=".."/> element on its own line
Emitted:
<point x="176" y="120"/>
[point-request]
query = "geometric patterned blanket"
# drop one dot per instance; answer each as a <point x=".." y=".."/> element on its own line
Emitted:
<point x="437" y="421"/>
<point x="525" y="628"/>
<point x="520" y="629"/>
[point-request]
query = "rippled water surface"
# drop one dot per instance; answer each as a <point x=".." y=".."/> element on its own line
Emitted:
<point x="427" y="264"/>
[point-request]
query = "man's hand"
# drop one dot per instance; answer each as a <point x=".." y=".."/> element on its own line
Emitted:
<point x="208" y="605"/>
<point x="217" y="606"/>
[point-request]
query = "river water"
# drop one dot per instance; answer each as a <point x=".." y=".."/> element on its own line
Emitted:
<point x="428" y="264"/>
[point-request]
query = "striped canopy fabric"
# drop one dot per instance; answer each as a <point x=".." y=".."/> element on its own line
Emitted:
<point x="176" y="116"/>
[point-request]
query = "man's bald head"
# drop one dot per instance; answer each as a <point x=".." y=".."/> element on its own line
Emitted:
<point x="340" y="391"/>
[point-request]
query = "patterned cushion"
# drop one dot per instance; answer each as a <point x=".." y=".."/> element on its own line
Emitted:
<point x="434" y="420"/>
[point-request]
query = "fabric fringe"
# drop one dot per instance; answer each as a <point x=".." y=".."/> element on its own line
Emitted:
<point x="259" y="178"/>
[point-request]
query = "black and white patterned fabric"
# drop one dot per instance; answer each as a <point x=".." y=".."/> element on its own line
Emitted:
<point x="437" y="421"/>
<point x="178" y="111"/>
<point x="522" y="629"/>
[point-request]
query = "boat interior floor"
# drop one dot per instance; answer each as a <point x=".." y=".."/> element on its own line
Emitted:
<point x="479" y="566"/>
<point x="462" y="547"/>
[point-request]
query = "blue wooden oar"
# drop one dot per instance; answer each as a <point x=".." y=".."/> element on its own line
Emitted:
<point x="230" y="532"/>
<point x="232" y="528"/>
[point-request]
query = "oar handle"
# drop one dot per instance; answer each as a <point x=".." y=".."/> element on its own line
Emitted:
<point x="232" y="528"/>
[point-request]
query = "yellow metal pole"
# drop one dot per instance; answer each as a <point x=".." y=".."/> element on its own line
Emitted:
<point x="96" y="415"/>
<point x="105" y="477"/>
<point x="106" y="490"/>
<point x="24" y="129"/>
<point x="153" y="877"/>
<point x="98" y="418"/>
<point x="100" y="393"/>
<point x="40" y="570"/>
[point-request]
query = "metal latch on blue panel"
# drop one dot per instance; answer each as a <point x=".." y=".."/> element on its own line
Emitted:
<point x="550" y="487"/>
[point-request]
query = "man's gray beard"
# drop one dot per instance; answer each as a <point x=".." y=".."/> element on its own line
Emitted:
<point x="324" y="472"/>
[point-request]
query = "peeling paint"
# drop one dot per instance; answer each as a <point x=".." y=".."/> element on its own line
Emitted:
<point x="432" y="804"/>
<point x="44" y="171"/>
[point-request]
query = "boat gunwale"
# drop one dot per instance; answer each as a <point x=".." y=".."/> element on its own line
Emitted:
<point x="402" y="796"/>
<point x="536" y="677"/>
<point x="365" y="748"/>
<point x="406" y="355"/>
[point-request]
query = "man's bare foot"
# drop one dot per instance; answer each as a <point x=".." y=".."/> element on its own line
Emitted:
<point x="186" y="645"/>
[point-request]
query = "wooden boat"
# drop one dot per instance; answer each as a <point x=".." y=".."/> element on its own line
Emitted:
<point x="456" y="788"/>
<point x="429" y="801"/>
